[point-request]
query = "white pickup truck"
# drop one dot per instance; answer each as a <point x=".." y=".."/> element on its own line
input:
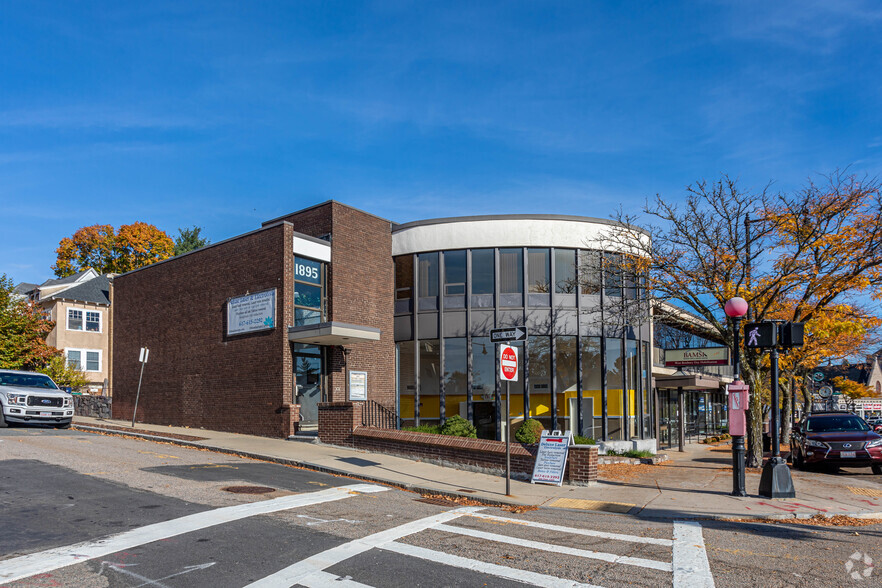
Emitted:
<point x="29" y="397"/>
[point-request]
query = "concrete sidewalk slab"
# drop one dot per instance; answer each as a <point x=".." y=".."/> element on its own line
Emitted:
<point x="694" y="484"/>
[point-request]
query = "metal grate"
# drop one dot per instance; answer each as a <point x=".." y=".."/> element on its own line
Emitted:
<point x="44" y="401"/>
<point x="841" y="445"/>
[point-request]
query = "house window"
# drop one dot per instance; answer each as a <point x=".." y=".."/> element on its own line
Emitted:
<point x="74" y="320"/>
<point x="93" y="321"/>
<point x="88" y="360"/>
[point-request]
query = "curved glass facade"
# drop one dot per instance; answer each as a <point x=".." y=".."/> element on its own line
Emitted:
<point x="586" y="364"/>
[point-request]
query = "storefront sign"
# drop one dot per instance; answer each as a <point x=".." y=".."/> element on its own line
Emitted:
<point x="699" y="356"/>
<point x="357" y="385"/>
<point x="253" y="312"/>
<point x="551" y="460"/>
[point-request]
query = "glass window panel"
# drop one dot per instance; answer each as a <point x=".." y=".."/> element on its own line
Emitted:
<point x="406" y="382"/>
<point x="307" y="270"/>
<point x="539" y="271"/>
<point x="75" y="320"/>
<point x="308" y="296"/>
<point x="455" y="375"/>
<point x="634" y="382"/>
<point x="565" y="375"/>
<point x="511" y="271"/>
<point x="93" y="361"/>
<point x="454" y="273"/>
<point x="564" y="271"/>
<point x="612" y="265"/>
<point x="483" y="279"/>
<point x="73" y="359"/>
<point x="647" y="393"/>
<point x="403" y="277"/>
<point x="483" y="370"/>
<point x="93" y="321"/>
<point x="614" y="392"/>
<point x="589" y="271"/>
<point x="430" y="381"/>
<point x="303" y="316"/>
<point x="539" y="352"/>
<point x="592" y="377"/>
<point x="428" y="268"/>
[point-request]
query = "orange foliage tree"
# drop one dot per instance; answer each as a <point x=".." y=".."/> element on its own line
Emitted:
<point x="802" y="254"/>
<point x="105" y="250"/>
<point x="23" y="331"/>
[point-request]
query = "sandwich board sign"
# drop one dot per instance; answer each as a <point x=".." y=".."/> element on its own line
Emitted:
<point x="551" y="460"/>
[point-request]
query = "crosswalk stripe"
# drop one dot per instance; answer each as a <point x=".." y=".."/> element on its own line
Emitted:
<point x="302" y="570"/>
<point x="610" y="557"/>
<point x="59" y="557"/>
<point x="524" y="576"/>
<point x="574" y="531"/>
<point x="691" y="567"/>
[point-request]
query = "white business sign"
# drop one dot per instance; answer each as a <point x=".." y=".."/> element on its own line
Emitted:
<point x="252" y="312"/>
<point x="551" y="460"/>
<point x="357" y="385"/>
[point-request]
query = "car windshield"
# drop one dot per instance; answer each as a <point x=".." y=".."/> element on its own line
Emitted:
<point x="27" y="381"/>
<point x="835" y="424"/>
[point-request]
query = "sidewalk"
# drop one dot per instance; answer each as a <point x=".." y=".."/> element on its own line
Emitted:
<point x="694" y="484"/>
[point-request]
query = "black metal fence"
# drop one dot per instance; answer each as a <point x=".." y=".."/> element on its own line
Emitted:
<point x="376" y="415"/>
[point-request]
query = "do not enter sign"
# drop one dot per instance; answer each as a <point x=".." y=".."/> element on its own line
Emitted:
<point x="508" y="363"/>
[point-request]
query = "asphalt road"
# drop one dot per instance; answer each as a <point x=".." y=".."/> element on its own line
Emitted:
<point x="80" y="509"/>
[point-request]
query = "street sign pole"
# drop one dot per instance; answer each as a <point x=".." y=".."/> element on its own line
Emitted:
<point x="143" y="359"/>
<point x="508" y="371"/>
<point x="507" y="439"/>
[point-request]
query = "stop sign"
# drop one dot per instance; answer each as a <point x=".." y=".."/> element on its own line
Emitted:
<point x="508" y="363"/>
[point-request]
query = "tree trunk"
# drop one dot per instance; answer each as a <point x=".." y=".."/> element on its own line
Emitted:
<point x="806" y="400"/>
<point x="754" y="456"/>
<point x="787" y="411"/>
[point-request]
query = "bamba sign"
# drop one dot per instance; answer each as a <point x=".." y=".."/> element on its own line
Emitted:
<point x="699" y="356"/>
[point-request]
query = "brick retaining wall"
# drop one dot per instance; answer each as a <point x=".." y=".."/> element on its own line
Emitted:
<point x="340" y="424"/>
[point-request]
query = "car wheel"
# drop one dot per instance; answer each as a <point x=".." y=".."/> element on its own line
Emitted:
<point x="877" y="469"/>
<point x="63" y="425"/>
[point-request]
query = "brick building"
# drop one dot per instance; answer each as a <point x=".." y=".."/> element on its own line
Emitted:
<point x="330" y="304"/>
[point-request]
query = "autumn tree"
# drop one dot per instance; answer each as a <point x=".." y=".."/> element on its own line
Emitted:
<point x="189" y="240"/>
<point x="63" y="372"/>
<point x="106" y="250"/>
<point x="816" y="247"/>
<point x="851" y="389"/>
<point x="23" y="331"/>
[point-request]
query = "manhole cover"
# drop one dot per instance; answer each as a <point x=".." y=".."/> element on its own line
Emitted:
<point x="248" y="489"/>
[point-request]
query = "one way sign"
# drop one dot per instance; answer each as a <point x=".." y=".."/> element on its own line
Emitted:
<point x="509" y="334"/>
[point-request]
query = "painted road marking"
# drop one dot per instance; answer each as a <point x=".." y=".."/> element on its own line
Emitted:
<point x="581" y="504"/>
<point x="59" y="557"/>
<point x="588" y="532"/>
<point x="302" y="571"/>
<point x="483" y="567"/>
<point x="609" y="557"/>
<point x="691" y="567"/>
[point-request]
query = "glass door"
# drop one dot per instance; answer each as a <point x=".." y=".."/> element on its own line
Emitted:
<point x="308" y="381"/>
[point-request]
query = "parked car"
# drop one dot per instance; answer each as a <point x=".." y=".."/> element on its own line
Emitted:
<point x="836" y="439"/>
<point x="29" y="397"/>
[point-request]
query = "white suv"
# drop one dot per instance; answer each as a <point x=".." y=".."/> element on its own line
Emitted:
<point x="29" y="397"/>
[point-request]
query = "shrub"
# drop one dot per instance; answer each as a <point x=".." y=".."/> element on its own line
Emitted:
<point x="457" y="426"/>
<point x="638" y="453"/>
<point x="579" y="440"/>
<point x="433" y="429"/>
<point x="529" y="432"/>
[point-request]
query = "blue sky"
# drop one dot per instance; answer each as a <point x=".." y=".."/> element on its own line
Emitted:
<point x="225" y="114"/>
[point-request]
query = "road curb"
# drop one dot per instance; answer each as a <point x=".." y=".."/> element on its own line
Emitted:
<point x="740" y="518"/>
<point x="301" y="464"/>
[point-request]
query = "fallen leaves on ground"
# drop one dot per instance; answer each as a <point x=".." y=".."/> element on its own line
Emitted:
<point x="622" y="472"/>
<point x="818" y="520"/>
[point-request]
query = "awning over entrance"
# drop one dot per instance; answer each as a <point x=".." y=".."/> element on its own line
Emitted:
<point x="688" y="381"/>
<point x="332" y="333"/>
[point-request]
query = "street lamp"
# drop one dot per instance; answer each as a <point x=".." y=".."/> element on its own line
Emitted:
<point x="738" y="393"/>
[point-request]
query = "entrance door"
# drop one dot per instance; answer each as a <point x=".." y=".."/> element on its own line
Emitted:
<point x="308" y="379"/>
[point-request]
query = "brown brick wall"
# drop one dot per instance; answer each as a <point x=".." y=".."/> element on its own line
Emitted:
<point x="196" y="375"/>
<point x="360" y="292"/>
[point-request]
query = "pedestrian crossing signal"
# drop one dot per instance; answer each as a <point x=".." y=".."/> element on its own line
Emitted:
<point x="760" y="335"/>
